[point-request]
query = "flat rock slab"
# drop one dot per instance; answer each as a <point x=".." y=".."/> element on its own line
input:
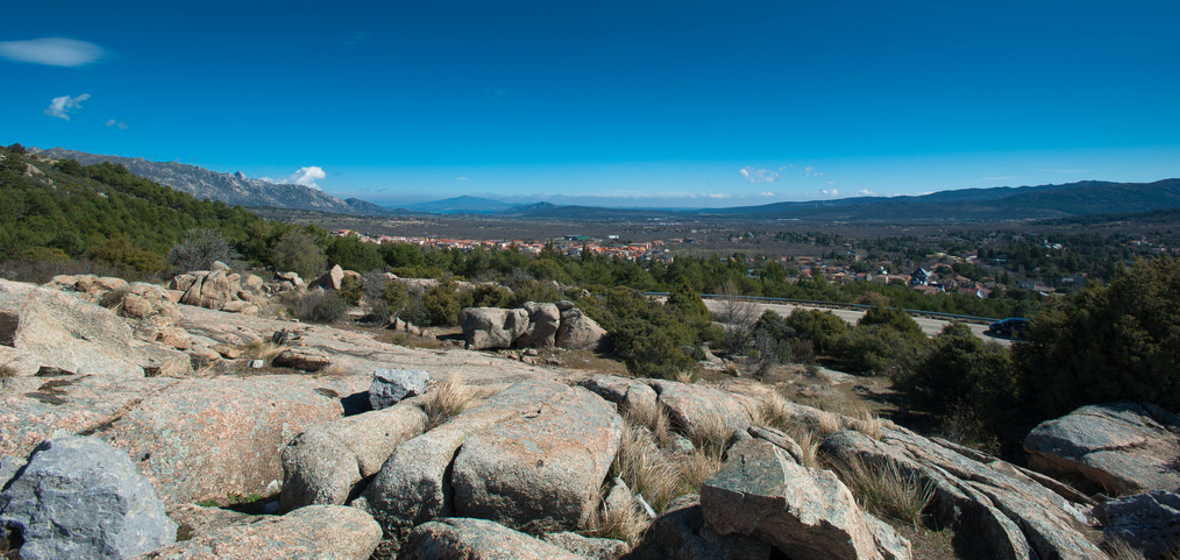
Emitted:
<point x="477" y="539"/>
<point x="1124" y="447"/>
<point x="80" y="498"/>
<point x="695" y="409"/>
<point x="310" y="533"/>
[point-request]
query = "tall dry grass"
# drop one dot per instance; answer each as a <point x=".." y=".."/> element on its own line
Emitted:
<point x="885" y="491"/>
<point x="449" y="399"/>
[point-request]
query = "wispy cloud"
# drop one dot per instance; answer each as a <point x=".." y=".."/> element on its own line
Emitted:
<point x="116" y="124"/>
<point x="866" y="192"/>
<point x="810" y="171"/>
<point x="831" y="192"/>
<point x="52" y="51"/>
<point x="767" y="193"/>
<point x="758" y="174"/>
<point x="61" y="107"/>
<point x="306" y="176"/>
<point x="717" y="195"/>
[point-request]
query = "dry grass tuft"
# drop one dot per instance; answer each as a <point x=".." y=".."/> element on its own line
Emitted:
<point x="449" y="399"/>
<point x="645" y="468"/>
<point x="261" y="350"/>
<point x="866" y="422"/>
<point x="808" y="442"/>
<point x="687" y="377"/>
<point x="654" y="418"/>
<point x="696" y="467"/>
<point x="886" y="492"/>
<point x="625" y="524"/>
<point x="772" y="411"/>
<point x="1119" y="549"/>
<point x="710" y="432"/>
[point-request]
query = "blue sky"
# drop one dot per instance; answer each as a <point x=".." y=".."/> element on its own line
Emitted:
<point x="654" y="103"/>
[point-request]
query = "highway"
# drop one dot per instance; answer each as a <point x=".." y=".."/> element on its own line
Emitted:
<point x="931" y="325"/>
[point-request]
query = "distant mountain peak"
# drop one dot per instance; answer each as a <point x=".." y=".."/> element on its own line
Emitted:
<point x="233" y="188"/>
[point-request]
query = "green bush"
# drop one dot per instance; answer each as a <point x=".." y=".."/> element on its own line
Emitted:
<point x="970" y="386"/>
<point x="319" y="307"/>
<point x="822" y="328"/>
<point x="1119" y="342"/>
<point x="876" y="350"/>
<point x="351" y="290"/>
<point x="299" y="251"/>
<point x="442" y="305"/>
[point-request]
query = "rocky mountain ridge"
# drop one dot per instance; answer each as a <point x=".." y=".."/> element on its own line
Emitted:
<point x="231" y="188"/>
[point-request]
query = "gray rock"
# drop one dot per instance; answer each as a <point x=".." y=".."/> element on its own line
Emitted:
<point x="579" y="332"/>
<point x="80" y="498"/>
<point x="330" y="280"/>
<point x="18" y="363"/>
<point x="309" y="533"/>
<point x="1149" y="522"/>
<point x="760" y="491"/>
<point x="1124" y="447"/>
<point x="477" y="539"/>
<point x="682" y="533"/>
<point x="328" y="463"/>
<point x="544" y="320"/>
<point x="391" y="386"/>
<point x="780" y="440"/>
<point x="587" y="547"/>
<point x="491" y="327"/>
<point x="9" y="466"/>
<point x="542" y="467"/>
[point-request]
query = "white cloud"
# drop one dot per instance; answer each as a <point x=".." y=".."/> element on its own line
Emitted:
<point x="810" y="171"/>
<point x="767" y="193"/>
<point x="758" y="174"/>
<point x="116" y="124"/>
<point x="61" y="107"/>
<point x="866" y="192"/>
<point x="306" y="176"/>
<point x="831" y="192"/>
<point x="717" y="195"/>
<point x="53" y="51"/>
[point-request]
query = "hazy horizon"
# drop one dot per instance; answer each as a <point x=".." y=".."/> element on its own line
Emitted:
<point x="634" y="104"/>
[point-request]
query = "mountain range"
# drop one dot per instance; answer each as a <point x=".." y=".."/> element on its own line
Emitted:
<point x="231" y="188"/>
<point x="994" y="204"/>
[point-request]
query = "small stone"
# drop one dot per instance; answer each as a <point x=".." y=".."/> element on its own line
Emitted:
<point x="390" y="386"/>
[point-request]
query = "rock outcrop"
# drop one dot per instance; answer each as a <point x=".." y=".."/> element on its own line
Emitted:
<point x="579" y="332"/>
<point x="809" y="513"/>
<point x="328" y="463"/>
<point x="1123" y="447"/>
<point x="1148" y="522"/>
<point x="477" y="539"/>
<point x="535" y="454"/>
<point x="219" y="289"/>
<point x="391" y="386"/>
<point x="74" y="336"/>
<point x="492" y="327"/>
<point x="309" y="533"/>
<point x="80" y="498"/>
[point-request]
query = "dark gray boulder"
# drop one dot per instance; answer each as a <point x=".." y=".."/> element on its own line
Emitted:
<point x="391" y="386"/>
<point x="681" y="532"/>
<point x="81" y="498"/>
<point x="1149" y="522"/>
